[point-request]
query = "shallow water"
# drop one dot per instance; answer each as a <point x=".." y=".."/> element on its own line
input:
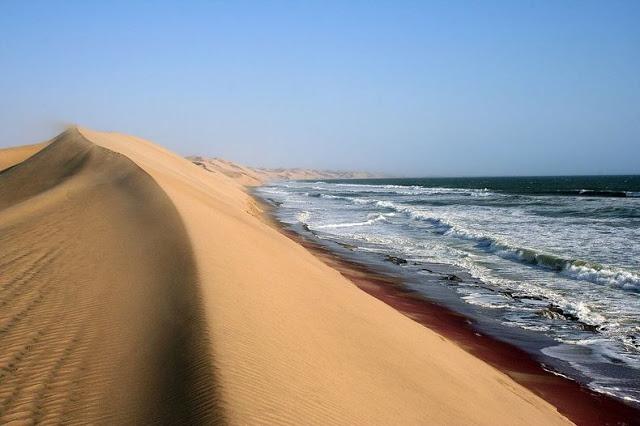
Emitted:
<point x="554" y="256"/>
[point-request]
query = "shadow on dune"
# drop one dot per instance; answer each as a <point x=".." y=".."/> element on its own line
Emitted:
<point x="101" y="318"/>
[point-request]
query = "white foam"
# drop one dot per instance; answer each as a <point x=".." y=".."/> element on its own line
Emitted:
<point x="371" y="221"/>
<point x="303" y="216"/>
<point x="604" y="275"/>
<point x="491" y="241"/>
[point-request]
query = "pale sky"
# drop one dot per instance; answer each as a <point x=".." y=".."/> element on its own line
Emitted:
<point x="409" y="88"/>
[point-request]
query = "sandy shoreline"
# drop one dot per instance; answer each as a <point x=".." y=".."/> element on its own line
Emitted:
<point x="139" y="285"/>
<point x="580" y="404"/>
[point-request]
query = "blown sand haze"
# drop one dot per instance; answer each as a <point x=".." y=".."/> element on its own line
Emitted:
<point x="136" y="286"/>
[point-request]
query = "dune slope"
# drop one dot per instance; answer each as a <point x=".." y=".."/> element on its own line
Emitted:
<point x="100" y="312"/>
<point x="294" y="342"/>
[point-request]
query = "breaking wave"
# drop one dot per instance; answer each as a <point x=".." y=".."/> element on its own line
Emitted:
<point x="572" y="268"/>
<point x="372" y="219"/>
<point x="540" y="253"/>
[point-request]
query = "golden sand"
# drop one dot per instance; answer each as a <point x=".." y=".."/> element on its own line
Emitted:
<point x="12" y="156"/>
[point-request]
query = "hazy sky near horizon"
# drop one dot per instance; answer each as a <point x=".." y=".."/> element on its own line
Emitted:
<point x="403" y="87"/>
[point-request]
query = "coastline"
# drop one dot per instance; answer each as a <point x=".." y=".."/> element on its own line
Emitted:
<point x="292" y="341"/>
<point x="277" y="335"/>
<point x="574" y="400"/>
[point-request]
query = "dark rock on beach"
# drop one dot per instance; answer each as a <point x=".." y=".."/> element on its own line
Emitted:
<point x="396" y="260"/>
<point x="451" y="277"/>
<point x="556" y="313"/>
<point x="348" y="246"/>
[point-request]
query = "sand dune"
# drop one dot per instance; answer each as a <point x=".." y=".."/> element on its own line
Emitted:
<point x="99" y="306"/>
<point x="12" y="156"/>
<point x="138" y="286"/>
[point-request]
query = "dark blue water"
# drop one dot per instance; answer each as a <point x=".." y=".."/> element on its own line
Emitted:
<point x="556" y="256"/>
<point x="600" y="186"/>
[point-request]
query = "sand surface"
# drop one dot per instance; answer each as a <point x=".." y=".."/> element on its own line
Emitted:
<point x="12" y="156"/>
<point x="137" y="286"/>
<point x="100" y="317"/>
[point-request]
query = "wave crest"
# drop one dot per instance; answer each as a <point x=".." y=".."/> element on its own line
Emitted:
<point x="571" y="268"/>
<point x="372" y="219"/>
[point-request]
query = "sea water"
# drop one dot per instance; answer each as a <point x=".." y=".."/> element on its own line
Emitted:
<point x="557" y="258"/>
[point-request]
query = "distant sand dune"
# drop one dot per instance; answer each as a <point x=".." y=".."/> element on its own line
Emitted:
<point x="137" y="287"/>
<point x="12" y="156"/>
<point x="99" y="305"/>
<point x="253" y="176"/>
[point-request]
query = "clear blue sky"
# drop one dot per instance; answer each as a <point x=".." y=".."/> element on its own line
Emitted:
<point x="411" y="88"/>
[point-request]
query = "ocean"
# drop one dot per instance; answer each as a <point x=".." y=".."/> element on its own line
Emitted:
<point x="550" y="264"/>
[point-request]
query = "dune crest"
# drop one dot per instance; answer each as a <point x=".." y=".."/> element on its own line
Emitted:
<point x="296" y="342"/>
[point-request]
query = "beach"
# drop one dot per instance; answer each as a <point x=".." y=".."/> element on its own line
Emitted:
<point x="139" y="287"/>
<point x="520" y="257"/>
<point x="574" y="400"/>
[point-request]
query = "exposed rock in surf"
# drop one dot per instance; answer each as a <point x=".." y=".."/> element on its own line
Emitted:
<point x="348" y="246"/>
<point x="451" y="277"/>
<point x="517" y="296"/>
<point x="396" y="260"/>
<point x="556" y="313"/>
<point x="309" y="230"/>
<point x="553" y="313"/>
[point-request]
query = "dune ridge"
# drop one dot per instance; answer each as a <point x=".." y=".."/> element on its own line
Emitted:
<point x="295" y="342"/>
<point x="100" y="314"/>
